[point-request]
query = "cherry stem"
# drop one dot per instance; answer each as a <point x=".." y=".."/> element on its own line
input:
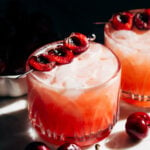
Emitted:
<point x="92" y="38"/>
<point x="97" y="146"/>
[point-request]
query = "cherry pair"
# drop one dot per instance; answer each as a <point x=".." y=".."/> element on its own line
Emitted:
<point x="126" y="20"/>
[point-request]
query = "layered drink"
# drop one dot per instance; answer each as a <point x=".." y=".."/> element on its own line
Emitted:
<point x="73" y="90"/>
<point x="127" y="34"/>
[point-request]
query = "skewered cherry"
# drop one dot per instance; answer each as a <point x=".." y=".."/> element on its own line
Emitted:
<point x="60" y="55"/>
<point x="77" y="42"/>
<point x="122" y="21"/>
<point x="142" y="20"/>
<point x="41" y="63"/>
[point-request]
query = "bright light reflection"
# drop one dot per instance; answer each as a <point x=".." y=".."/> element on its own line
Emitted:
<point x="32" y="133"/>
<point x="14" y="107"/>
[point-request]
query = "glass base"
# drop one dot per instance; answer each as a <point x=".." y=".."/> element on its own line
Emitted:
<point x="83" y="141"/>
<point x="136" y="99"/>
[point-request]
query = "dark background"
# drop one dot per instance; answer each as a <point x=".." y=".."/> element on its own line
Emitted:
<point x="28" y="24"/>
<point x="64" y="16"/>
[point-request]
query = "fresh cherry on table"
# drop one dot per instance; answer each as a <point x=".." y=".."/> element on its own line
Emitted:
<point x="69" y="146"/>
<point x="37" y="146"/>
<point x="137" y="125"/>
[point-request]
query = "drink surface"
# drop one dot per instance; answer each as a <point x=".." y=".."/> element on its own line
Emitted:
<point x="76" y="102"/>
<point x="93" y="67"/>
<point x="133" y="49"/>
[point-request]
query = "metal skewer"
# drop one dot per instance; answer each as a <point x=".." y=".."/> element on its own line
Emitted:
<point x="24" y="74"/>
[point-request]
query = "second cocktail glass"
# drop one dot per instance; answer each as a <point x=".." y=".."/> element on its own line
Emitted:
<point x="128" y="35"/>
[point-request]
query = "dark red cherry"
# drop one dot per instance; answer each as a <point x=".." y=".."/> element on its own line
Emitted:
<point x="61" y="55"/>
<point x="41" y="63"/>
<point x="142" y="115"/>
<point x="77" y="42"/>
<point x="137" y="125"/>
<point x="69" y="146"/>
<point x="142" y="20"/>
<point x="37" y="146"/>
<point x="122" y="21"/>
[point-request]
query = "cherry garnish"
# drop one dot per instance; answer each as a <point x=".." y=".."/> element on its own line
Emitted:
<point x="60" y="55"/>
<point x="77" y="42"/>
<point x="41" y="63"/>
<point x="37" y="146"/>
<point x="122" y="21"/>
<point x="137" y="125"/>
<point x="69" y="146"/>
<point x="142" y="20"/>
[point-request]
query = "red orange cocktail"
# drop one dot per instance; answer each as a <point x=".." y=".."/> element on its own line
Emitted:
<point x="128" y="35"/>
<point x="75" y="99"/>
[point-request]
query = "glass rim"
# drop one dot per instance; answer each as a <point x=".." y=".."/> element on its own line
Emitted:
<point x="100" y="85"/>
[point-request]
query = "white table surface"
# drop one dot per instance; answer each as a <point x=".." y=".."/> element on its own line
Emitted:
<point x="16" y="131"/>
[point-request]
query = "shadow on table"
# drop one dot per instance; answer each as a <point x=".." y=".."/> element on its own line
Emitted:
<point x="124" y="141"/>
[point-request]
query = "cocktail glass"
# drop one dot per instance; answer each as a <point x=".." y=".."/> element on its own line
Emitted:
<point x="133" y="49"/>
<point x="81" y="115"/>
